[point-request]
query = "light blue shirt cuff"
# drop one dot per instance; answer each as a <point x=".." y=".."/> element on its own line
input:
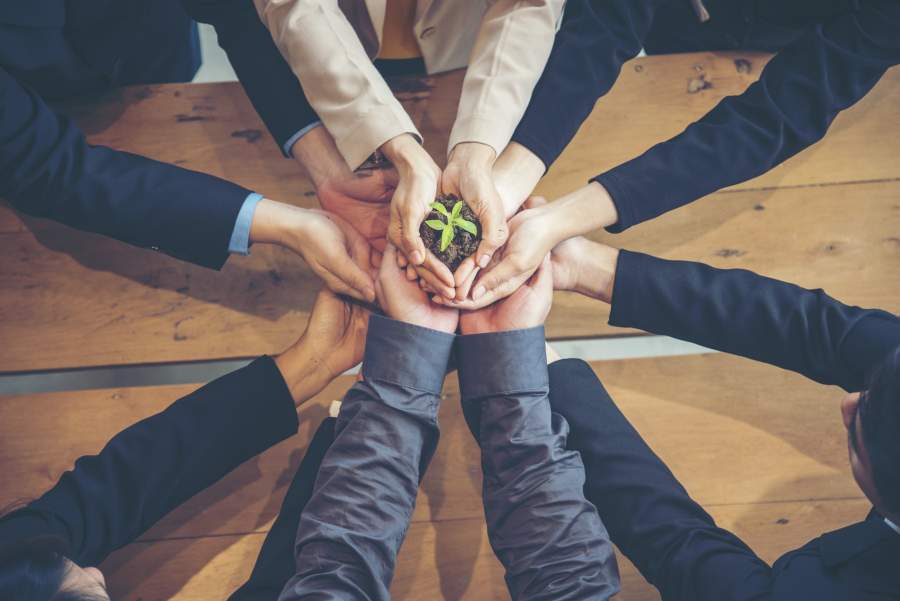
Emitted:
<point x="286" y="149"/>
<point x="240" y="237"/>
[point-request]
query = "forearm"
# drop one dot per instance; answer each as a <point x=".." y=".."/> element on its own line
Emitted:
<point x="595" y="39"/>
<point x="509" y="55"/>
<point x="342" y="85"/>
<point x="746" y="314"/>
<point x="798" y="95"/>
<point x="145" y="471"/>
<point x="529" y="477"/>
<point x="352" y="527"/>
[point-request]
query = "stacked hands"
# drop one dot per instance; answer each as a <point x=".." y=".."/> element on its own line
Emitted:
<point x="381" y="206"/>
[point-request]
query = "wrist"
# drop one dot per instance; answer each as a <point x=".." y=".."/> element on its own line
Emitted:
<point x="473" y="155"/>
<point x="303" y="372"/>
<point x="402" y="151"/>
<point x="517" y="172"/>
<point x="318" y="154"/>
<point x="580" y="212"/>
<point x="596" y="271"/>
<point x="277" y="223"/>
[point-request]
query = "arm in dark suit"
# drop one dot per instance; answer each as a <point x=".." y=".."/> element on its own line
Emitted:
<point x="595" y="38"/>
<point x="799" y="93"/>
<point x="150" y="468"/>
<point x="275" y="563"/>
<point x="47" y="169"/>
<point x="674" y="543"/>
<point x="542" y="529"/>
<point x="353" y="525"/>
<point x="266" y="77"/>
<point x="740" y="312"/>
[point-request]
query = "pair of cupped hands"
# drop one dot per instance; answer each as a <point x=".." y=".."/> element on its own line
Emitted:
<point x="366" y="210"/>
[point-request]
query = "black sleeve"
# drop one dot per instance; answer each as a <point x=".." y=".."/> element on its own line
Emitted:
<point x="152" y="467"/>
<point x="267" y="79"/>
<point x="740" y="312"/>
<point x="275" y="563"/>
<point x="595" y="38"/>
<point x="798" y="95"/>
<point x="671" y="540"/>
<point x="47" y="169"/>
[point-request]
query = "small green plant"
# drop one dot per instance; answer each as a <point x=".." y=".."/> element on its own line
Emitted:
<point x="448" y="228"/>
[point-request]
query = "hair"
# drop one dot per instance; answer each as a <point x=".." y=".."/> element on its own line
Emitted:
<point x="879" y="411"/>
<point x="38" y="576"/>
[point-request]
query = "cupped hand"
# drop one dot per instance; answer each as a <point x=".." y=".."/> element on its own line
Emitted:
<point x="469" y="175"/>
<point x="404" y="300"/>
<point x="362" y="198"/>
<point x="527" y="307"/>
<point x="333" y="342"/>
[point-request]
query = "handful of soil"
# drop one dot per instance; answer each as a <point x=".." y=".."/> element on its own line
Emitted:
<point x="453" y="233"/>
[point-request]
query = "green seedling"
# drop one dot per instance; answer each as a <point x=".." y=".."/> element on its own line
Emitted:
<point x="448" y="228"/>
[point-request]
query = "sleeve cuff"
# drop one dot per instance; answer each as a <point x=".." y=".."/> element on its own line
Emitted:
<point x="406" y="355"/>
<point x="240" y="236"/>
<point x="287" y="147"/>
<point x="357" y="142"/>
<point x="624" y="296"/>
<point x="490" y="131"/>
<point x="616" y="191"/>
<point x="501" y="363"/>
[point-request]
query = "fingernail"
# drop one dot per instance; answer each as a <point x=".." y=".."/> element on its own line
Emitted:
<point x="417" y="257"/>
<point x="478" y="292"/>
<point x="483" y="261"/>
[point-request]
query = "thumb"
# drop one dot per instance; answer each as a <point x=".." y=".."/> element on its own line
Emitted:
<point x="355" y="277"/>
<point x="494" y="233"/>
<point x="498" y="281"/>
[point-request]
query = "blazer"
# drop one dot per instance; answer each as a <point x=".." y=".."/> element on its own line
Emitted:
<point x="47" y="167"/>
<point x="841" y="50"/>
<point x="330" y="44"/>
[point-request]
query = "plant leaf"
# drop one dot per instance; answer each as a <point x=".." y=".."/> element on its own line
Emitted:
<point x="436" y="224"/>
<point x="466" y="225"/>
<point x="440" y="209"/>
<point x="446" y="237"/>
<point x="457" y="209"/>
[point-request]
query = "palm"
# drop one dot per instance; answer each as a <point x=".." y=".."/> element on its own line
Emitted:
<point x="403" y="300"/>
<point x="364" y="201"/>
<point x="337" y="332"/>
<point x="522" y="309"/>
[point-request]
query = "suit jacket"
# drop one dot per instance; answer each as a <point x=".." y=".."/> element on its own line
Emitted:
<point x="48" y="169"/>
<point x="330" y="44"/>
<point x="673" y="542"/>
<point x="840" y="51"/>
<point x="102" y="504"/>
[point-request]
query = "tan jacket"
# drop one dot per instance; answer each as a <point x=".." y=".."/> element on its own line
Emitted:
<point x="330" y="43"/>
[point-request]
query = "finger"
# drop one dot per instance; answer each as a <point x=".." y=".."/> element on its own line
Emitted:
<point x="450" y="182"/>
<point x="401" y="260"/>
<point x="339" y="287"/>
<point x="463" y="290"/>
<point x="494" y="232"/>
<point x="464" y="271"/>
<point x="353" y="276"/>
<point x="542" y="280"/>
<point x="501" y="279"/>
<point x="376" y="258"/>
<point x="534" y="201"/>
<point x="410" y="242"/>
<point x="436" y="283"/>
<point x="439" y="270"/>
<point x="411" y="274"/>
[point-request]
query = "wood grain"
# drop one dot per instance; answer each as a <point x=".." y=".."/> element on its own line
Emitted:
<point x="69" y="299"/>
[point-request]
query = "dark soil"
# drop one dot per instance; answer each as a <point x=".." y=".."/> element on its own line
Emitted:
<point x="464" y="243"/>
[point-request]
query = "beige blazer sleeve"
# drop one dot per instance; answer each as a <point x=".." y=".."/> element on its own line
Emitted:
<point x="509" y="55"/>
<point x="338" y="77"/>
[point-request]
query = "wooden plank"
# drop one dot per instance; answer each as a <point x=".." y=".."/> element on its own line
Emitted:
<point x="737" y="442"/>
<point x="70" y="299"/>
<point x="439" y="560"/>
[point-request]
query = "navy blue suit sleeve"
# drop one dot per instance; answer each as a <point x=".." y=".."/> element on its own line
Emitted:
<point x="272" y="87"/>
<point x="47" y="169"/>
<point x="740" y="312"/>
<point x="671" y="540"/>
<point x="545" y="533"/>
<point x="799" y="93"/>
<point x="596" y="37"/>
<point x="351" y="530"/>
<point x="107" y="500"/>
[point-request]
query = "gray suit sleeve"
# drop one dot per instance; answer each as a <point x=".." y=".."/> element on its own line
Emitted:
<point x="548" y="537"/>
<point x="352" y="528"/>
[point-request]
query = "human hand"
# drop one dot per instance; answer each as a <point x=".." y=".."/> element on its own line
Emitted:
<point x="469" y="176"/>
<point x="333" y="342"/>
<point x="335" y="251"/>
<point x="527" y="307"/>
<point x="403" y="300"/>
<point x="587" y="267"/>
<point x="416" y="190"/>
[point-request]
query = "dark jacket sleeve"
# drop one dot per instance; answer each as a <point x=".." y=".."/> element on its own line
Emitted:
<point x="595" y="38"/>
<point x="150" y="468"/>
<point x="267" y="79"/>
<point x="47" y="169"/>
<point x="799" y="93"/>
<point x="545" y="533"/>
<point x="740" y="312"/>
<point x="674" y="543"/>
<point x="275" y="563"/>
<point x="353" y="525"/>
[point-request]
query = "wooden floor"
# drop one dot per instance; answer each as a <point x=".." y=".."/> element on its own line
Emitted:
<point x="762" y="449"/>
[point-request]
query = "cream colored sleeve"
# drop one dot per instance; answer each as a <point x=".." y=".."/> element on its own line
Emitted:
<point x="340" y="81"/>
<point x="509" y="55"/>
